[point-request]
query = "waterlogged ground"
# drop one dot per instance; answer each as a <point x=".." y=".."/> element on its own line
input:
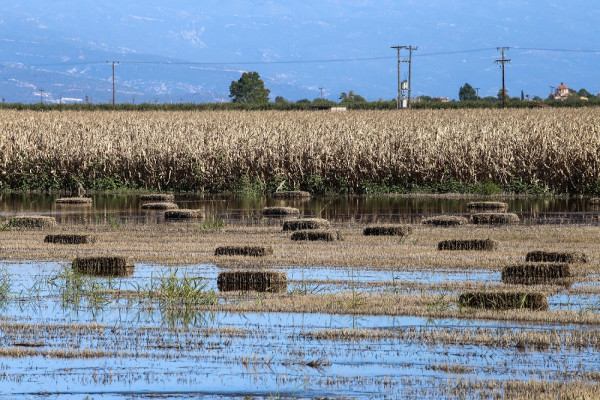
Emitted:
<point x="68" y="337"/>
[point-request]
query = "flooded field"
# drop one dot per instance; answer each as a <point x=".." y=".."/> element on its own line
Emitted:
<point x="366" y="317"/>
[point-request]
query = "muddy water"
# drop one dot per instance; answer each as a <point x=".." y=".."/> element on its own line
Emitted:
<point x="342" y="209"/>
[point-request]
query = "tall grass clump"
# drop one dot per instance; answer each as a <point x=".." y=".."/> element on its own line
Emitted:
<point x="173" y="291"/>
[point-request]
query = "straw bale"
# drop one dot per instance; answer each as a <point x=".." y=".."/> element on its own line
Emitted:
<point x="445" y="220"/>
<point x="388" y="230"/>
<point x="69" y="239"/>
<point x="537" y="274"/>
<point x="258" y="281"/>
<point x="158" y="197"/>
<point x="74" y="200"/>
<point x="317" y="235"/>
<point x="103" y="266"/>
<point x="469" y="244"/>
<point x="488" y="205"/>
<point x="183" y="214"/>
<point x="500" y="300"/>
<point x="32" y="222"/>
<point x="494" y="218"/>
<point x="280" y="211"/>
<point x="291" y="194"/>
<point x="252" y="251"/>
<point x="305" y="223"/>
<point x="571" y="257"/>
<point x="160" y="206"/>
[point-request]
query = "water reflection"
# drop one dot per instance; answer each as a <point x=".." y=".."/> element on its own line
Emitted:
<point x="122" y="208"/>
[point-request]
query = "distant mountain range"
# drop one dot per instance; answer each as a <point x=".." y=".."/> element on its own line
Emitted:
<point x="49" y="51"/>
<point x="190" y="51"/>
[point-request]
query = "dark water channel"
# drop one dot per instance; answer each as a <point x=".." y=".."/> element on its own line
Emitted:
<point x="555" y="210"/>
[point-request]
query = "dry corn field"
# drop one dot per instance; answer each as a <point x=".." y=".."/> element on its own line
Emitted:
<point x="212" y="151"/>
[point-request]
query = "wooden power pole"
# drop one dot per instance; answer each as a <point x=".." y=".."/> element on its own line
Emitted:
<point x="502" y="61"/>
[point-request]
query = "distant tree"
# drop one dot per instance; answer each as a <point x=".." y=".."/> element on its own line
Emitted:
<point x="303" y="101"/>
<point x="424" y="98"/>
<point x="323" y="102"/>
<point x="351" y="97"/>
<point x="500" y="94"/>
<point x="585" y="93"/>
<point x="466" y="92"/>
<point x="537" y="98"/>
<point x="281" y="100"/>
<point x="249" y="89"/>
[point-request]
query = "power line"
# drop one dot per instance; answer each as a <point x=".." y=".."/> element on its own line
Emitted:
<point x="556" y="50"/>
<point x="313" y="61"/>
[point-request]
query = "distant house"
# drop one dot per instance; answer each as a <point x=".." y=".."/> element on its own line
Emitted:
<point x="561" y="92"/>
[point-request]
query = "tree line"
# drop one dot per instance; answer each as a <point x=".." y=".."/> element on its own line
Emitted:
<point x="249" y="93"/>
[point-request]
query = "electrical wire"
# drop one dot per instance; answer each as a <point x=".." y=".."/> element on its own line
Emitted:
<point x="315" y="61"/>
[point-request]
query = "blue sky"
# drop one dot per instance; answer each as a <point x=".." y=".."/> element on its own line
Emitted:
<point x="294" y="45"/>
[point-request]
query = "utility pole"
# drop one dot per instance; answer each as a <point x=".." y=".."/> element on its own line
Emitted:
<point x="502" y="61"/>
<point x="477" y="92"/>
<point x="113" y="81"/>
<point x="321" y="89"/>
<point x="409" y="61"/>
<point x="398" y="102"/>
<point x="410" y="50"/>
<point x="551" y="90"/>
<point x="41" y="96"/>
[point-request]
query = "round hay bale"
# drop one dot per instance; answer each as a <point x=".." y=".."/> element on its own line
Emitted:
<point x="494" y="218"/>
<point x="160" y="206"/>
<point x="251" y="251"/>
<point x="388" y="230"/>
<point x="74" y="200"/>
<point x="445" y="220"/>
<point x="103" y="266"/>
<point x="280" y="211"/>
<point x="537" y="274"/>
<point x="69" y="239"/>
<point x="487" y="205"/>
<point x="470" y="244"/>
<point x="305" y="223"/>
<point x="32" y="222"/>
<point x="571" y="257"/>
<point x="182" y="214"/>
<point x="317" y="235"/>
<point x="291" y="194"/>
<point x="257" y="281"/>
<point x="158" y="197"/>
<point x="504" y="300"/>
